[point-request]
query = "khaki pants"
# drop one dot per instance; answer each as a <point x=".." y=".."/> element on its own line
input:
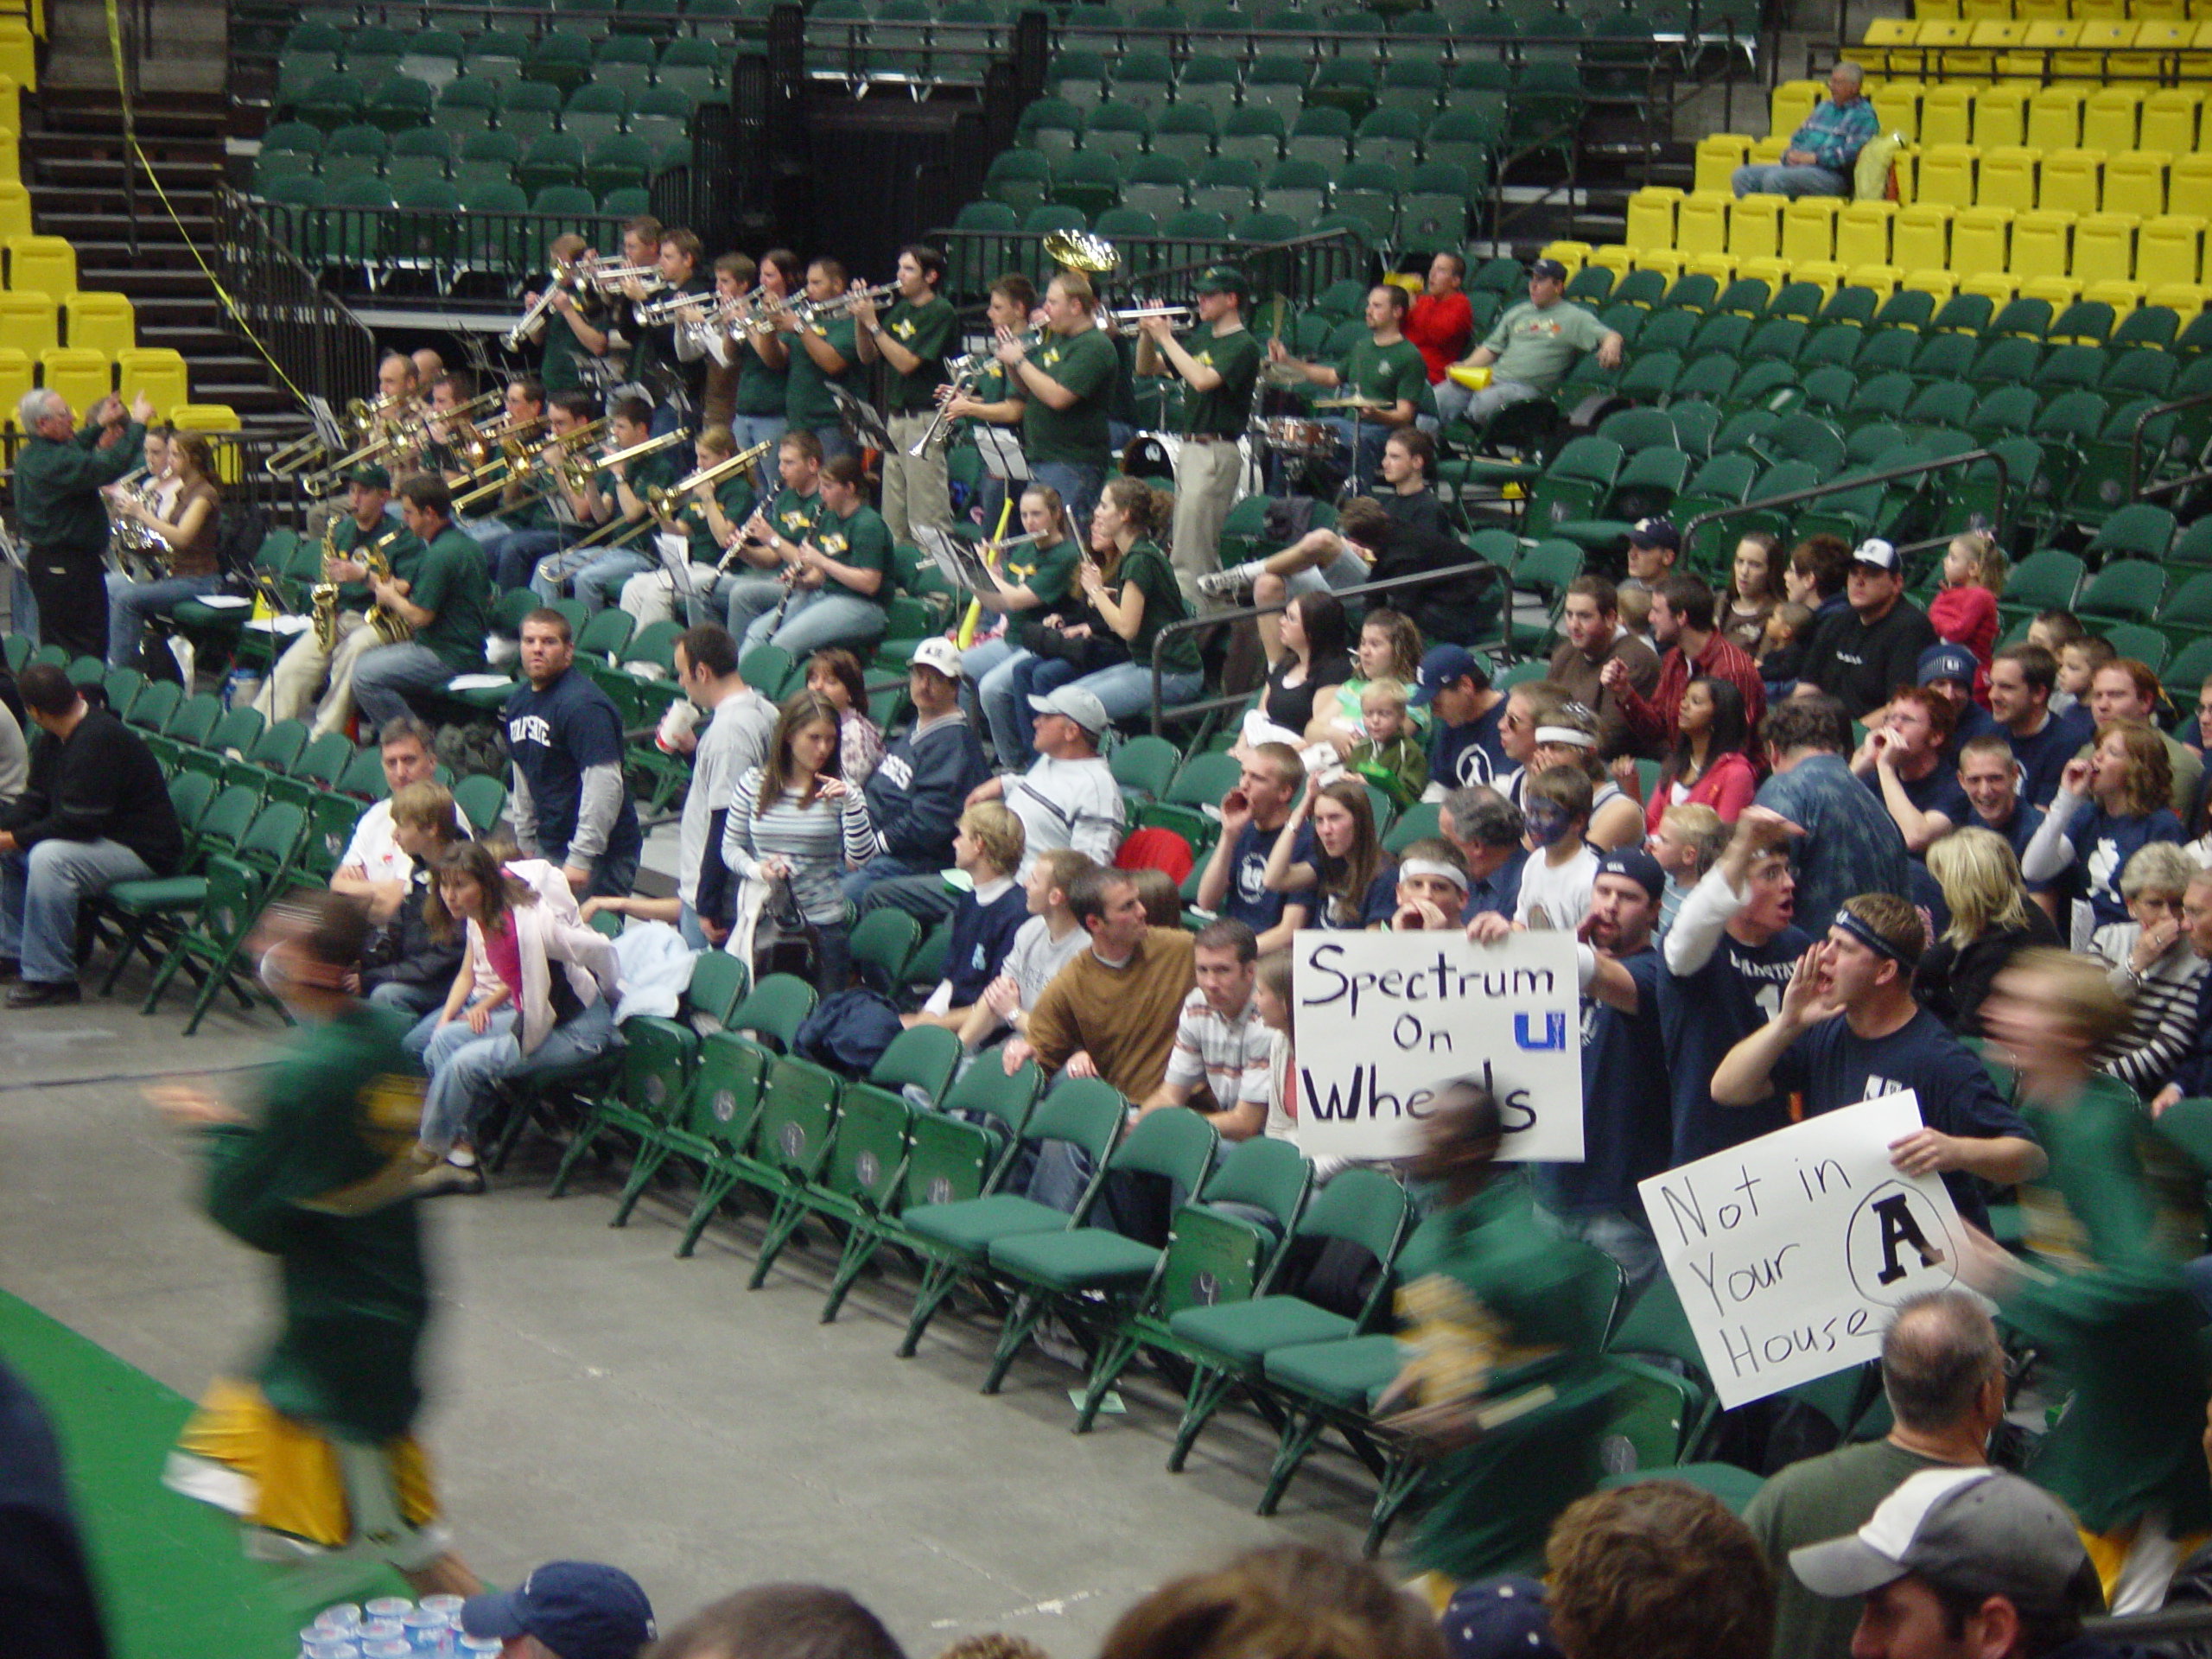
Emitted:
<point x="338" y="702"/>
<point x="1206" y="475"/>
<point x="289" y="691"/>
<point x="914" y="492"/>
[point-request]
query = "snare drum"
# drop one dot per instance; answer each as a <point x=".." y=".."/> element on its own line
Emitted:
<point x="1292" y="437"/>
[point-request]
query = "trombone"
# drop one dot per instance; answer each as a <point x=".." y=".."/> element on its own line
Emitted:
<point x="306" y="453"/>
<point x="519" y="461"/>
<point x="665" y="500"/>
<point x="1179" y="317"/>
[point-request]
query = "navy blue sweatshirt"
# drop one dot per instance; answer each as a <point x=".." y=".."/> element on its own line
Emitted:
<point x="916" y="791"/>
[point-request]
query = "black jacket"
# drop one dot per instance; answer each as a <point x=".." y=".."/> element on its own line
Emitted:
<point x="99" y="784"/>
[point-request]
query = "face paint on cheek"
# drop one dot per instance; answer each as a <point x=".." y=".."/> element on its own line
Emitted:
<point x="1545" y="828"/>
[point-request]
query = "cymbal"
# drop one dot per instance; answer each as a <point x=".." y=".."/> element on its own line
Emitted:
<point x="1351" y="403"/>
<point x="1281" y="374"/>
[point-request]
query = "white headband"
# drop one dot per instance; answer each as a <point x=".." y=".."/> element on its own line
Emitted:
<point x="1456" y="876"/>
<point x="1572" y="737"/>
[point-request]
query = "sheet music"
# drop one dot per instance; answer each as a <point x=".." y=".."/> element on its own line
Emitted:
<point x="955" y="559"/>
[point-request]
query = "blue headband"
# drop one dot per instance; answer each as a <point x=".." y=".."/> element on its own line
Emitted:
<point x="1874" y="941"/>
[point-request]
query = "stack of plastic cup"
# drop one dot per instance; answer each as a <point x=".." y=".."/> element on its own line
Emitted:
<point x="393" y="1607"/>
<point x="478" y="1647"/>
<point x="374" y="1630"/>
<point x="447" y="1607"/>
<point x="316" y="1642"/>
<point x="396" y="1648"/>
<point x="428" y="1632"/>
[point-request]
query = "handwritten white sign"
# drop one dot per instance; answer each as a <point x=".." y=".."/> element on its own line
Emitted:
<point x="1789" y="1251"/>
<point x="1381" y="1020"/>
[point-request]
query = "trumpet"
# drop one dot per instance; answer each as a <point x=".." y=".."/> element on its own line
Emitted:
<point x="666" y="501"/>
<point x="607" y="278"/>
<point x="564" y="273"/>
<point x="1178" y="316"/>
<point x="676" y="307"/>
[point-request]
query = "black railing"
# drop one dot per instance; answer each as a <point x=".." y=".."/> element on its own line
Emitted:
<point x="311" y="337"/>
<point x="2176" y="66"/>
<point x="1860" y="482"/>
<point x="2137" y="490"/>
<point x="1299" y="269"/>
<point x="1203" y="706"/>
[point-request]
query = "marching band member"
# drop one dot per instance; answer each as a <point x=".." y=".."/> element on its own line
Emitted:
<point x="1067" y="380"/>
<point x="573" y="343"/>
<point x="672" y="375"/>
<point x="1219" y="361"/>
<point x="708" y="518"/>
<point x="59" y="514"/>
<point x="598" y="569"/>
<point x="334" y="647"/>
<point x="911" y="339"/>
<point x="733" y="277"/>
<point x="193" y="536"/>
<point x="824" y="355"/>
<point x="767" y="542"/>
<point x="545" y="512"/>
<point x="764" y="366"/>
<point x="839" y="572"/>
<point x="992" y="397"/>
<point x="1385" y="371"/>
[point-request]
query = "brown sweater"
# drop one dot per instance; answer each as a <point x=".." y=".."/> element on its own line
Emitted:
<point x="1579" y="675"/>
<point x="1124" y="1017"/>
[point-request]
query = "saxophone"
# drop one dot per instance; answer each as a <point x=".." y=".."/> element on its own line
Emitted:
<point x="390" y="626"/>
<point x="323" y="598"/>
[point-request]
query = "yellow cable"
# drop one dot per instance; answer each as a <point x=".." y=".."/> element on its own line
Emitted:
<point x="130" y="142"/>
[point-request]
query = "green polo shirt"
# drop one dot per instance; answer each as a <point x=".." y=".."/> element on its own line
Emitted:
<point x="862" y="540"/>
<point x="449" y="582"/>
<point x="762" y="391"/>
<point x="735" y="497"/>
<point x="1085" y="362"/>
<point x="807" y="401"/>
<point x="1223" y="411"/>
<point x="57" y="504"/>
<point x="927" y="331"/>
<point x="1389" y="373"/>
<point x="349" y="539"/>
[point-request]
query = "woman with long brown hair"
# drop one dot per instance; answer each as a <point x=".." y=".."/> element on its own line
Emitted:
<point x="192" y="533"/>
<point x="2109" y="804"/>
<point x="1356" y="881"/>
<point x="1036" y="577"/>
<point x="794" y="823"/>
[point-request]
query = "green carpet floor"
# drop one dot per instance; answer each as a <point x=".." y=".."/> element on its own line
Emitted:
<point x="172" y="1577"/>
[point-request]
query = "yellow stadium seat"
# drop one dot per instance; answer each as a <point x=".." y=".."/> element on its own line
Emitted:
<point x="18" y="55"/>
<point x="1945" y="174"/>
<point x="1809" y="227"/>
<point x="1719" y="266"/>
<point x="207" y="418"/>
<point x="2001" y="114"/>
<point x="1936" y="7"/>
<point x="45" y="264"/>
<point x="2111" y="118"/>
<point x="27" y="322"/>
<point x="1665" y="261"/>
<point x="2188" y="181"/>
<point x="1570" y="254"/>
<point x="15" y="381"/>
<point x="1995" y="286"/>
<point x="2007" y="178"/>
<point x="1980" y="239"/>
<point x="2171" y="115"/>
<point x="1614" y="256"/>
<point x="1651" y="217"/>
<point x="2057" y="292"/>
<point x="2104" y="248"/>
<point x="2100" y="11"/>
<point x="2041" y="244"/>
<point x="1773" y="272"/>
<point x="2180" y="10"/>
<point x="1904" y="168"/>
<point x="83" y="377"/>
<point x="2158" y="35"/>
<point x="1978" y="12"/>
<point x="2135" y="182"/>
<point x="14" y="209"/>
<point x="1946" y="114"/>
<point x="1943" y="42"/>
<point x="2185" y="298"/>
<point x="2040" y="11"/>
<point x="1862" y="233"/>
<point x="1718" y="158"/>
<point x="1789" y="105"/>
<point x="1701" y="225"/>
<point x="107" y="322"/>
<point x="11" y="106"/>
<point x="1940" y="283"/>
<point x="2054" y="117"/>
<point x="1880" y="278"/>
<point x="2004" y="33"/>
<point x="11" y="164"/>
<point x="1754" y="228"/>
<point x="1921" y="239"/>
<point x="1769" y="149"/>
<point x="1824" y="274"/>
<point x="2073" y="181"/>
<point x="1882" y="32"/>
<point x="2203" y="37"/>
<point x="1898" y="108"/>
<point x="2123" y="297"/>
<point x="2170" y="249"/>
<point x="159" y="372"/>
<point x="2097" y="35"/>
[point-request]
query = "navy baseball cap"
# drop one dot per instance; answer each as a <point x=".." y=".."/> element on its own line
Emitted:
<point x="1498" y="1618"/>
<point x="1551" y="268"/>
<point x="1442" y="665"/>
<point x="579" y="1609"/>
<point x="1654" y="532"/>
<point x="1946" y="662"/>
<point x="1638" y="866"/>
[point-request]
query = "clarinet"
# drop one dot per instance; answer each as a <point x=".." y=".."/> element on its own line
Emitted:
<point x="790" y="575"/>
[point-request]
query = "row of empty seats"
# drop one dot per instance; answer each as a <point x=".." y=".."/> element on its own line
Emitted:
<point x="688" y="63"/>
<point x="2056" y="10"/>
<point x="2090" y="49"/>
<point x="1974" y="244"/>
<point x="615" y="162"/>
<point x="2044" y="117"/>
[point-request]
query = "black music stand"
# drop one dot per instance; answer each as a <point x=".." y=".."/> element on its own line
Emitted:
<point x="861" y="421"/>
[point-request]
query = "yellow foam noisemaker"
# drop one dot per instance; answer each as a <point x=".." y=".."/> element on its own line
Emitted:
<point x="1407" y="280"/>
<point x="1472" y="378"/>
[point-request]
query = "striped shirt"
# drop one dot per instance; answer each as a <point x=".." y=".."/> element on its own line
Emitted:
<point x="817" y="840"/>
<point x="2161" y="1007"/>
<point x="1834" y="133"/>
<point x="1067" y="804"/>
<point x="1230" y="1056"/>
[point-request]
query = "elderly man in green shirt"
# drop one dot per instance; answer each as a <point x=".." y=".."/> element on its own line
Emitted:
<point x="61" y="516"/>
<point x="448" y="604"/>
<point x="1530" y="352"/>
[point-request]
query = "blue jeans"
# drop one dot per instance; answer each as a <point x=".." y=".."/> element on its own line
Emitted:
<point x="388" y="673"/>
<point x="1003" y="710"/>
<point x="1773" y="179"/>
<point x="130" y="603"/>
<point x="1367" y="464"/>
<point x="484" y="531"/>
<point x="599" y="582"/>
<point x="922" y="895"/>
<point x="39" y="891"/>
<point x="464" y="1068"/>
<point x="411" y="999"/>
<point x="514" y="558"/>
<point x="828" y="616"/>
<point x="750" y="429"/>
<point x="749" y="599"/>
<point x="859" y="885"/>
<point x="1125" y="689"/>
<point x="612" y="876"/>
<point x="687" y="925"/>
<point x="1078" y="485"/>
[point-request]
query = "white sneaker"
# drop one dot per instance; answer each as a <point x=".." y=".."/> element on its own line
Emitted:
<point x="1219" y="584"/>
<point x="499" y="651"/>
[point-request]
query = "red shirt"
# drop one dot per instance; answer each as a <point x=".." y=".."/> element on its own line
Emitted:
<point x="1727" y="787"/>
<point x="1968" y="616"/>
<point x="1652" y="718"/>
<point x="1443" y="326"/>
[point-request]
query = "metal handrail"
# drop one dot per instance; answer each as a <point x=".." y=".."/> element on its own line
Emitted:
<point x="2135" y="487"/>
<point x="311" y="336"/>
<point x="1245" y="612"/>
<point x="1338" y="253"/>
<point x="1859" y="480"/>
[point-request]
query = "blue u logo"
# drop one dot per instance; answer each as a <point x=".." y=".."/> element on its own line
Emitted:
<point x="1555" y="1032"/>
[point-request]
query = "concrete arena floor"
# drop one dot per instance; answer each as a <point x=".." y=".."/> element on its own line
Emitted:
<point x="592" y="1396"/>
